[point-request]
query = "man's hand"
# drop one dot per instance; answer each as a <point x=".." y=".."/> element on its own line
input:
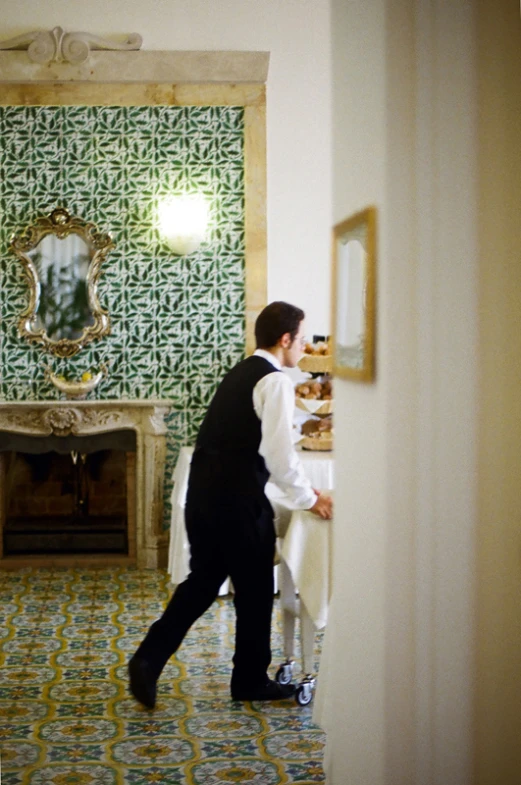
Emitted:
<point x="323" y="506"/>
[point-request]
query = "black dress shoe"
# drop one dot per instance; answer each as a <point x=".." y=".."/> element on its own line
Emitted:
<point x="269" y="691"/>
<point x="142" y="681"/>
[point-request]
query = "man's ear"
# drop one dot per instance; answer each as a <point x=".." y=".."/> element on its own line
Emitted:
<point x="285" y="340"/>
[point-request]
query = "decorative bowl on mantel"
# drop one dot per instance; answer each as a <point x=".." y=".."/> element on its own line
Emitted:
<point x="76" y="389"/>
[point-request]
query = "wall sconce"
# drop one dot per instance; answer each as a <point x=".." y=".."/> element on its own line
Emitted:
<point x="183" y="222"/>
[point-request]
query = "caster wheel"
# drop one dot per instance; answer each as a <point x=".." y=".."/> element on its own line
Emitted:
<point x="283" y="675"/>
<point x="304" y="694"/>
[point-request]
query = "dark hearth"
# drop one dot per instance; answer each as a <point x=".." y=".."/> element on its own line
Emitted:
<point x="67" y="503"/>
<point x="74" y="535"/>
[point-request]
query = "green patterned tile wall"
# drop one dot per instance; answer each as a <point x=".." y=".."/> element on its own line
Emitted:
<point x="177" y="322"/>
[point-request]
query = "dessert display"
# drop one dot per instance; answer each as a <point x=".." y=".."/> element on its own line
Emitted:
<point x="319" y="429"/>
<point x="317" y="358"/>
<point x="317" y="433"/>
<point x="315" y="390"/>
<point x="319" y="348"/>
<point x="316" y="398"/>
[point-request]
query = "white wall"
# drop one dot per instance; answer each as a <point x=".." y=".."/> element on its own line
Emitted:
<point x="425" y="616"/>
<point x="402" y="613"/>
<point x="356" y="629"/>
<point x="296" y="33"/>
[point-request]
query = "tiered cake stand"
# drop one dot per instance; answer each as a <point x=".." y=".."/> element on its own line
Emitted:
<point x="317" y="365"/>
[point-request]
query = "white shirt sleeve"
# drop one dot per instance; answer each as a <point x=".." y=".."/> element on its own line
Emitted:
<point x="274" y="403"/>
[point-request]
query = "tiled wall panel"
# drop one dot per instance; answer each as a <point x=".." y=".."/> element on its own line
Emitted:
<point x="177" y="323"/>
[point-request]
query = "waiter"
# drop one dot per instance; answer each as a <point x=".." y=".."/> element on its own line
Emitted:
<point x="245" y="438"/>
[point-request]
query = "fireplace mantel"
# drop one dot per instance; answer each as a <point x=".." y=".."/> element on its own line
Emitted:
<point x="86" y="418"/>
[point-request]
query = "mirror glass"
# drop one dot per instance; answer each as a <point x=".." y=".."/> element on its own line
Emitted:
<point x="354" y="296"/>
<point x="62" y="257"/>
<point x="351" y="306"/>
<point x="62" y="265"/>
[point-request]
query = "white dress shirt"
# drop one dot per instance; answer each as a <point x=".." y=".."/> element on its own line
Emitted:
<point x="274" y="404"/>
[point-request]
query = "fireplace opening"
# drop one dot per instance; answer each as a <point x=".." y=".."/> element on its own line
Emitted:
<point x="74" y="500"/>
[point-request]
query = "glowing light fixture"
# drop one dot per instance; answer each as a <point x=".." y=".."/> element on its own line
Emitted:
<point x="183" y="222"/>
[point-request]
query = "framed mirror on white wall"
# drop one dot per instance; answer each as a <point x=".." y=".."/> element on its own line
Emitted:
<point x="353" y="296"/>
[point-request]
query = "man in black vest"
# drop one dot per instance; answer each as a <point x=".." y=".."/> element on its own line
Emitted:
<point x="245" y="438"/>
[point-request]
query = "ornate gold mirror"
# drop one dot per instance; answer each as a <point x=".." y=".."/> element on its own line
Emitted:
<point x="62" y="257"/>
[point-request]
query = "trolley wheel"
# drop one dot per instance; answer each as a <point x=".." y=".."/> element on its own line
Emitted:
<point x="304" y="694"/>
<point x="283" y="675"/>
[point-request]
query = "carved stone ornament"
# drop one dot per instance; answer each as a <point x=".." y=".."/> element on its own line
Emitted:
<point x="57" y="46"/>
<point x="22" y="420"/>
<point x="98" y="417"/>
<point x="61" y="421"/>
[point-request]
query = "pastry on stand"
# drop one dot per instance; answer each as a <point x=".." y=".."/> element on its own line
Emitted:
<point x="317" y="358"/>
<point x="318" y="434"/>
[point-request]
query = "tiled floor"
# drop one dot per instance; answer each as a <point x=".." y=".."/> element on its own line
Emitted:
<point x="66" y="717"/>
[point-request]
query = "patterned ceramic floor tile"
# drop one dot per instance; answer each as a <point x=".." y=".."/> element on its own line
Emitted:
<point x="244" y="770"/>
<point x="66" y="717"/>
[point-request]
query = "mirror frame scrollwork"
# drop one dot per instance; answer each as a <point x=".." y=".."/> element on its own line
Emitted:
<point x="61" y="224"/>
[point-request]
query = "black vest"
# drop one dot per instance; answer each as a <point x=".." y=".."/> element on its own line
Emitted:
<point x="226" y="452"/>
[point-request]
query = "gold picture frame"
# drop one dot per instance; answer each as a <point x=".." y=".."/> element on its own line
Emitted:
<point x="354" y="296"/>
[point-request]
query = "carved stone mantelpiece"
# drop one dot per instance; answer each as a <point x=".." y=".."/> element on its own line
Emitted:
<point x="86" y="418"/>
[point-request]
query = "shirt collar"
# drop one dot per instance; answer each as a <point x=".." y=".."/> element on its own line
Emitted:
<point x="269" y="357"/>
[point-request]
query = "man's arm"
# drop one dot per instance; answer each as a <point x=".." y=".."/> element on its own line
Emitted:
<point x="274" y="402"/>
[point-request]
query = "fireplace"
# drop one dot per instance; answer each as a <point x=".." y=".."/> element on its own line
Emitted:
<point x="82" y="482"/>
<point x="69" y="495"/>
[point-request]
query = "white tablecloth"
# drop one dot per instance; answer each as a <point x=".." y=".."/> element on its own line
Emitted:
<point x="179" y="549"/>
<point x="306" y="549"/>
<point x="317" y="465"/>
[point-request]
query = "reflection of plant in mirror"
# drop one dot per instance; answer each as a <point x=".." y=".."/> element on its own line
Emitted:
<point x="63" y="308"/>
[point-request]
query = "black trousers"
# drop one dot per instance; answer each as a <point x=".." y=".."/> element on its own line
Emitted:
<point x="232" y="536"/>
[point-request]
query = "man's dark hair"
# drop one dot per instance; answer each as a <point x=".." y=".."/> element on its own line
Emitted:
<point x="274" y="321"/>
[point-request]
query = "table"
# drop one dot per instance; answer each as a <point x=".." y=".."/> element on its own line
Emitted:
<point x="317" y="465"/>
<point x="306" y="550"/>
<point x="305" y="567"/>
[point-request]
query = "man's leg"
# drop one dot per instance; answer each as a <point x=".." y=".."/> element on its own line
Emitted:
<point x="251" y="572"/>
<point x="253" y="599"/>
<point x="189" y="601"/>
